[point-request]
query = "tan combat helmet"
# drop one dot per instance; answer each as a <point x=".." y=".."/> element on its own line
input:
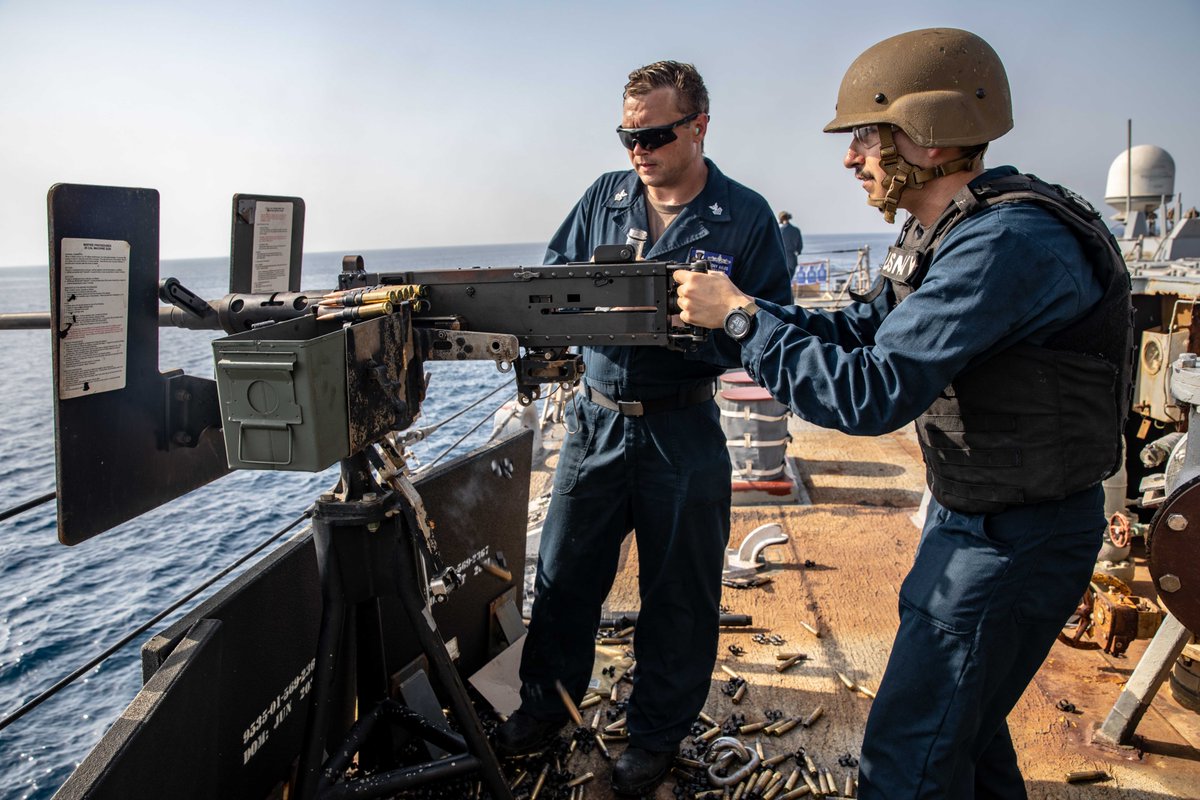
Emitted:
<point x="943" y="87"/>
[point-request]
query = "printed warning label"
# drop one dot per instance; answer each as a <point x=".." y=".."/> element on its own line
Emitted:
<point x="93" y="316"/>
<point x="272" y="247"/>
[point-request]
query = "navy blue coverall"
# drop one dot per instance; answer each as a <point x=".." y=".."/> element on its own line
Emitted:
<point x="987" y="593"/>
<point x="665" y="475"/>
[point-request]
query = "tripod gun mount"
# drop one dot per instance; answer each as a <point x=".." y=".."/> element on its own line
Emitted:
<point x="372" y="540"/>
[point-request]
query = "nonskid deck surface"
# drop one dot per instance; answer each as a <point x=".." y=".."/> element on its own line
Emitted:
<point x="840" y="572"/>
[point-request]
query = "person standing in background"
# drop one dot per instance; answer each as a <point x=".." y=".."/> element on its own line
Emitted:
<point x="793" y="240"/>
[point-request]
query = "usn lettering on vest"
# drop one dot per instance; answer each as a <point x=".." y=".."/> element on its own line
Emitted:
<point x="899" y="265"/>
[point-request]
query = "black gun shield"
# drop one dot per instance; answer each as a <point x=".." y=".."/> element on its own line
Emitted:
<point x="114" y="457"/>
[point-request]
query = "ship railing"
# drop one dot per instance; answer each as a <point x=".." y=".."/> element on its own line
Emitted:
<point x="837" y="283"/>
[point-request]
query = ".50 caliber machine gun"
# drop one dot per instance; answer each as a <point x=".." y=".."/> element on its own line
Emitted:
<point x="306" y="378"/>
<point x="303" y="381"/>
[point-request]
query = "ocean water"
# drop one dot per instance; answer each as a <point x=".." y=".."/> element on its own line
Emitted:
<point x="60" y="606"/>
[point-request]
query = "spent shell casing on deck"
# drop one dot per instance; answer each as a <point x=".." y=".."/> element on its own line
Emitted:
<point x="616" y="726"/>
<point x="584" y="778"/>
<point x="760" y="783"/>
<point x="739" y="694"/>
<point x="1087" y="776"/>
<point x="783" y="666"/>
<point x="569" y="703"/>
<point x="814" y="716"/>
<point x="812" y="785"/>
<point x="803" y="791"/>
<point x="785" y="725"/>
<point x="589" y="701"/>
<point x="537" y="787"/>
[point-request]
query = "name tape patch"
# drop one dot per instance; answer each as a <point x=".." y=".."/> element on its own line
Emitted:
<point x="716" y="261"/>
<point x="899" y="265"/>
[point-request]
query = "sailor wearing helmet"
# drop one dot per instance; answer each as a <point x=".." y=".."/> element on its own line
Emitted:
<point x="1001" y="324"/>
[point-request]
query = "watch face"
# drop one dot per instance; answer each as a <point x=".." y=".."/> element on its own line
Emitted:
<point x="737" y="324"/>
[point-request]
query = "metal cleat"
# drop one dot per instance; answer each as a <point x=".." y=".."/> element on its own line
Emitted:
<point x="744" y="561"/>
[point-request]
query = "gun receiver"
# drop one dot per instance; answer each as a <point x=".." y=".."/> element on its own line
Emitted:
<point x="548" y="309"/>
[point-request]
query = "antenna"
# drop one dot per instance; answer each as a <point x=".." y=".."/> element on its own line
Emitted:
<point x="1128" y="171"/>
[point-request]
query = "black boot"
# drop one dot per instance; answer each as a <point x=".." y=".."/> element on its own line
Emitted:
<point x="523" y="734"/>
<point x="638" y="771"/>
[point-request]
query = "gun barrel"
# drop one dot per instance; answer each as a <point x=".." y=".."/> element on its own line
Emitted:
<point x="24" y="320"/>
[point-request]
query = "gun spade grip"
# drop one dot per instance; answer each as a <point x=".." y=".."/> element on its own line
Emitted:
<point x="698" y="334"/>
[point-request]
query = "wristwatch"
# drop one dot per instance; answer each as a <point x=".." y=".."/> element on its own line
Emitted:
<point x="739" y="321"/>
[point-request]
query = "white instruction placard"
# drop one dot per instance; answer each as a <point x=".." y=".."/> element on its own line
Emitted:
<point x="272" y="246"/>
<point x="93" y="316"/>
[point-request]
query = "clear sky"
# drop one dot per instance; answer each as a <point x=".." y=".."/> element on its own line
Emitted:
<point x="409" y="124"/>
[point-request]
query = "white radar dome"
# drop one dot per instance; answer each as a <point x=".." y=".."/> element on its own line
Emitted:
<point x="1153" y="178"/>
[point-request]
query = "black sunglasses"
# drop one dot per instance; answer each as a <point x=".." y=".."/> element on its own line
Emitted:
<point x="656" y="136"/>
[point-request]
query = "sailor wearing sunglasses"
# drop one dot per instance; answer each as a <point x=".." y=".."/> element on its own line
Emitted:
<point x="648" y="454"/>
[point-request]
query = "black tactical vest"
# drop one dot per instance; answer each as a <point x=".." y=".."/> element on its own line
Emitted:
<point x="1032" y="423"/>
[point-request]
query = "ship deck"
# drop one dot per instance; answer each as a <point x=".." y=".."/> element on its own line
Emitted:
<point x="840" y="573"/>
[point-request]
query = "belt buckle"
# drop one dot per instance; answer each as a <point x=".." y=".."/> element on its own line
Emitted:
<point x="630" y="408"/>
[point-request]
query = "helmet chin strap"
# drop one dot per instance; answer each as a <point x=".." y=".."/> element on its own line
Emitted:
<point x="899" y="174"/>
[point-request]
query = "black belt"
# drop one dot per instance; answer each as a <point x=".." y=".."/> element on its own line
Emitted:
<point x="638" y="408"/>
